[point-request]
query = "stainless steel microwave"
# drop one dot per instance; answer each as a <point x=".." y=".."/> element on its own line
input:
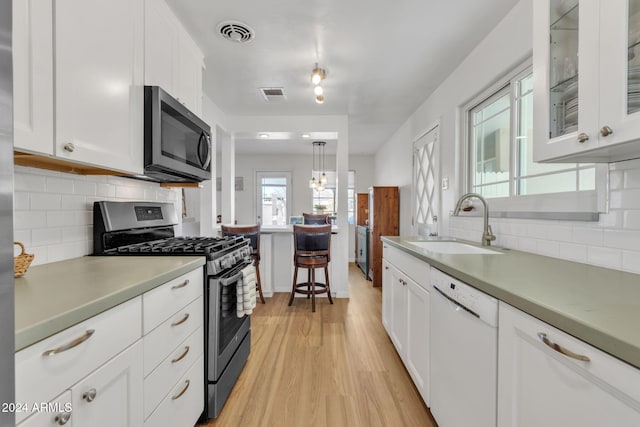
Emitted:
<point x="177" y="143"/>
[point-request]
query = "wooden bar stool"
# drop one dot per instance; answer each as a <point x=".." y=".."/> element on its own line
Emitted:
<point x="251" y="232"/>
<point x="312" y="249"/>
<point x="319" y="219"/>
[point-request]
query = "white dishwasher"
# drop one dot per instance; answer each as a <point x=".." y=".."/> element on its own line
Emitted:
<point x="464" y="349"/>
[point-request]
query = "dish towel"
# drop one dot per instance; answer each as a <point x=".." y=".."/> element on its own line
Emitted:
<point x="246" y="292"/>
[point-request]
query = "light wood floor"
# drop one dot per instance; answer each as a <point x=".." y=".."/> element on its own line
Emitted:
<point x="335" y="367"/>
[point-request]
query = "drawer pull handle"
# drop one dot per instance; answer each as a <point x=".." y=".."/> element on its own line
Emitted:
<point x="62" y="419"/>
<point x="181" y="285"/>
<point x="181" y="321"/>
<point x="74" y="343"/>
<point x="90" y="395"/>
<point x="184" y="390"/>
<point x="182" y="356"/>
<point x="560" y="349"/>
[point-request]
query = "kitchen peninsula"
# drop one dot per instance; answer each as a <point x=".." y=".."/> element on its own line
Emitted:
<point x="276" y="258"/>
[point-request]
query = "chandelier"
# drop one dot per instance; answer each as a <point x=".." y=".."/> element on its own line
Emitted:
<point x="318" y="160"/>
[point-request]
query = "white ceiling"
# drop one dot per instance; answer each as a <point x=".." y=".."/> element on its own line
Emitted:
<point x="383" y="58"/>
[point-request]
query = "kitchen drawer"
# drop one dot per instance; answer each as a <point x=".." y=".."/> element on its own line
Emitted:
<point x="413" y="267"/>
<point x="57" y="413"/>
<point x="184" y="403"/>
<point x="40" y="378"/>
<point x="171" y="369"/>
<point x="165" y="300"/>
<point x="164" y="339"/>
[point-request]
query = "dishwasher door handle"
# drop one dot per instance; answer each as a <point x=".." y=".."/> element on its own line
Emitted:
<point x="457" y="304"/>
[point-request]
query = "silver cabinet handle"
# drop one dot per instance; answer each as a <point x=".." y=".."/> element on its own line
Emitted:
<point x="583" y="137"/>
<point x="90" y="395"/>
<point x="182" y="356"/>
<point x="181" y="321"/>
<point x="181" y="285"/>
<point x="606" y="131"/>
<point x="69" y="147"/>
<point x="560" y="349"/>
<point x="71" y="344"/>
<point x="62" y="419"/>
<point x="177" y="396"/>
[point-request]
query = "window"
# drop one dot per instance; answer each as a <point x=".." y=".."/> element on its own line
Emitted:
<point x="500" y="148"/>
<point x="327" y="197"/>
<point x="274" y="189"/>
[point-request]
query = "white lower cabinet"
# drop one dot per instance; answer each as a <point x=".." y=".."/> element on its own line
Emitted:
<point x="111" y="395"/>
<point x="56" y="413"/>
<point x="405" y="312"/>
<point x="540" y="386"/>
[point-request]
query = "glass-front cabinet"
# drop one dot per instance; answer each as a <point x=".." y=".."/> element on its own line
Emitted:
<point x="586" y="56"/>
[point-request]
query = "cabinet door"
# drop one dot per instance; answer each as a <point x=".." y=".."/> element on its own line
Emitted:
<point x="566" y="76"/>
<point x="160" y="47"/>
<point x="620" y="72"/>
<point x="539" y="386"/>
<point x="58" y="412"/>
<point x="386" y="295"/>
<point x="417" y="357"/>
<point x="189" y="73"/>
<point x="398" y="285"/>
<point x="111" y="395"/>
<point x="99" y="54"/>
<point x="33" y="76"/>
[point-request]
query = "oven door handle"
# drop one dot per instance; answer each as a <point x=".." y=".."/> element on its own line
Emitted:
<point x="226" y="281"/>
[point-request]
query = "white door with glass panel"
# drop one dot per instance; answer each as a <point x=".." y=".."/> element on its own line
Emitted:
<point x="273" y="198"/>
<point x="426" y="200"/>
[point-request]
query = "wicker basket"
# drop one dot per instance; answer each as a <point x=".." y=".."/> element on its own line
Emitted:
<point x="21" y="262"/>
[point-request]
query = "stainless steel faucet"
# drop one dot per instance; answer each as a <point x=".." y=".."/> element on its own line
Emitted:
<point x="487" y="233"/>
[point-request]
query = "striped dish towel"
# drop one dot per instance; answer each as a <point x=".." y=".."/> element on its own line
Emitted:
<point x="246" y="292"/>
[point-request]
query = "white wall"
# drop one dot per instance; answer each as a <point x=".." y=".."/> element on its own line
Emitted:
<point x="53" y="211"/>
<point x="612" y="242"/>
<point x="300" y="167"/>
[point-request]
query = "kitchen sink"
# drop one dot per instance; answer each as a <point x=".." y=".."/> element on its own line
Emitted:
<point x="453" y="248"/>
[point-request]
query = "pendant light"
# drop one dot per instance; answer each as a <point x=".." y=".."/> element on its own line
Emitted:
<point x="318" y="160"/>
<point x="317" y="76"/>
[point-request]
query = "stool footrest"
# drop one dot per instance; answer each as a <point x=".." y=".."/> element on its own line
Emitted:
<point x="299" y="290"/>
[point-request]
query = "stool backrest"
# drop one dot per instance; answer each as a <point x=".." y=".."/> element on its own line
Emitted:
<point x="251" y="232"/>
<point x="312" y="240"/>
<point x="315" y="218"/>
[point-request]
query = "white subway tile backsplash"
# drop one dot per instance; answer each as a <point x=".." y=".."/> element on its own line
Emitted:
<point x="20" y="201"/>
<point x="27" y="220"/>
<point x="548" y="248"/>
<point x="59" y="185"/>
<point x="631" y="261"/>
<point x="45" y="201"/>
<point x="632" y="178"/>
<point x="604" y="257"/>
<point x="85" y="188"/>
<point x="625" y="199"/>
<point x="616" y="180"/>
<point x="46" y="236"/>
<point x="28" y="181"/>
<point x="632" y="220"/>
<point x="622" y="239"/>
<point x="53" y="211"/>
<point x="590" y="236"/>
<point x="573" y="252"/>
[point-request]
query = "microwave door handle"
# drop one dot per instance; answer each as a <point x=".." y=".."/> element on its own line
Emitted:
<point x="204" y="138"/>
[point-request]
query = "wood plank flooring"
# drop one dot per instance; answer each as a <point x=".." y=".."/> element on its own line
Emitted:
<point x="335" y="367"/>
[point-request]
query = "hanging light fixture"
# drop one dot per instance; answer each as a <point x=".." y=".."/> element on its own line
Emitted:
<point x="318" y="160"/>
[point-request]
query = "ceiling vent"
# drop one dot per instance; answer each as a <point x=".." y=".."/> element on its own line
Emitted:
<point x="273" y="94"/>
<point x="235" y="31"/>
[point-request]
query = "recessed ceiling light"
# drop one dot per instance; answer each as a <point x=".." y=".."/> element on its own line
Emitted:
<point x="306" y="135"/>
<point x="264" y="136"/>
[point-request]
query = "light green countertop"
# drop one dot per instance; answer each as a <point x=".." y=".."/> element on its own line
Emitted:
<point x="597" y="305"/>
<point x="52" y="297"/>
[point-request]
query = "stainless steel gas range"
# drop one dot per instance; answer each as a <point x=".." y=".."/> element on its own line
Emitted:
<point x="147" y="229"/>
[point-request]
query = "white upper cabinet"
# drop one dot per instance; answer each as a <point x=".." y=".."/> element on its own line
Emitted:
<point x="33" y="76"/>
<point x="99" y="74"/>
<point x="172" y="59"/>
<point x="587" y="80"/>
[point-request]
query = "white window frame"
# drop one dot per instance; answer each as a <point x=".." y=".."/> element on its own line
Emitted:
<point x="258" y="195"/>
<point x="351" y="188"/>
<point x="590" y="201"/>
